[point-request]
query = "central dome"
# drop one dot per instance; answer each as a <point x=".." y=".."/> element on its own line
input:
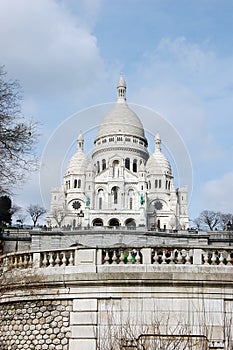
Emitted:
<point x="121" y="120"/>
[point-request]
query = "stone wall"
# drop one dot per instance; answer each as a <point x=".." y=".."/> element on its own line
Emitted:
<point x="42" y="324"/>
<point x="86" y="298"/>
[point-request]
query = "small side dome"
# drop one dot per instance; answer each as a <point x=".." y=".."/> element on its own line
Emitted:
<point x="79" y="162"/>
<point x="157" y="163"/>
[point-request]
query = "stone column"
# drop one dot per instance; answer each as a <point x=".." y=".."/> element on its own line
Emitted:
<point x="83" y="323"/>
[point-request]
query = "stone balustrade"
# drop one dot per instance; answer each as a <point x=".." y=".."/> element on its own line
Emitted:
<point x="117" y="256"/>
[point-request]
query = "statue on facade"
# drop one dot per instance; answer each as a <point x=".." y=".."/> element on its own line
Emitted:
<point x="87" y="201"/>
<point x="142" y="199"/>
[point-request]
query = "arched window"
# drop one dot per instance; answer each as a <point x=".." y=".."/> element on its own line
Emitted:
<point x="135" y="165"/>
<point x="130" y="223"/>
<point x="103" y="164"/>
<point x="160" y="182"/>
<point x="97" y="222"/>
<point x="79" y="183"/>
<point x="127" y="163"/>
<point x="131" y="203"/>
<point x="114" y="222"/>
<point x="156" y="183"/>
<point x="98" y="167"/>
<point x="116" y="168"/>
<point x="75" y="183"/>
<point x="149" y="184"/>
<point x="100" y="198"/>
<point x="115" y="194"/>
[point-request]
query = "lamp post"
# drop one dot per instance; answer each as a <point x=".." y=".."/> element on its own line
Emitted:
<point x="80" y="215"/>
<point x="228" y="226"/>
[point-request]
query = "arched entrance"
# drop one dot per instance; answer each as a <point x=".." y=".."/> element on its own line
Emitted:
<point x="114" y="222"/>
<point x="97" y="222"/>
<point x="130" y="223"/>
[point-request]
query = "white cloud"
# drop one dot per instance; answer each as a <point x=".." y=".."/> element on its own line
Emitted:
<point x="50" y="51"/>
<point x="217" y="194"/>
<point x="183" y="82"/>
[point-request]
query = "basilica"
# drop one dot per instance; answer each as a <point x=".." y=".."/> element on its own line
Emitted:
<point x="122" y="184"/>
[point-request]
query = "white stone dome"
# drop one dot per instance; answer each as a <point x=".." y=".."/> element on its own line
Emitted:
<point x="157" y="163"/>
<point x="121" y="120"/>
<point x="79" y="162"/>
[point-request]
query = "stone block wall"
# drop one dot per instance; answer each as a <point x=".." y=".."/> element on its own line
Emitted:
<point x="42" y="324"/>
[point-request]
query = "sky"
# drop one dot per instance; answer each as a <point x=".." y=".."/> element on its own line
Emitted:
<point x="177" y="60"/>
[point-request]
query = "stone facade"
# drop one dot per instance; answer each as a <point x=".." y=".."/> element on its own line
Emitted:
<point x="122" y="185"/>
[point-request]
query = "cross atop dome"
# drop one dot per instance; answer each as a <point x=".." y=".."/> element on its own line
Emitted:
<point x="121" y="90"/>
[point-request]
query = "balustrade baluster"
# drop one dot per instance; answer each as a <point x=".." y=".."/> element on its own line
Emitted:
<point x="187" y="258"/>
<point x="7" y="263"/>
<point x="164" y="257"/>
<point x="30" y="261"/>
<point x="213" y="258"/>
<point x="106" y="259"/>
<point x="206" y="257"/>
<point x="130" y="258"/>
<point x="229" y="259"/>
<point x="51" y="259"/>
<point x="114" y="257"/>
<point x="122" y="258"/>
<point x="221" y="258"/>
<point x="15" y="263"/>
<point x="179" y="258"/>
<point x="172" y="257"/>
<point x="63" y="259"/>
<point x="71" y="259"/>
<point x="57" y="260"/>
<point x="25" y="261"/>
<point x="155" y="257"/>
<point x="137" y="257"/>
<point x="44" y="261"/>
<point x="20" y="264"/>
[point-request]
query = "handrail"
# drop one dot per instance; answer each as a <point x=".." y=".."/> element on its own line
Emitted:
<point x="118" y="255"/>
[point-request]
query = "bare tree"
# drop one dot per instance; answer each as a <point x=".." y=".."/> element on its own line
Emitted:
<point x="158" y="334"/>
<point x="197" y="222"/>
<point x="35" y="211"/>
<point x="17" y="137"/>
<point x="226" y="220"/>
<point x="15" y="209"/>
<point x="21" y="218"/>
<point x="210" y="218"/>
<point x="59" y="214"/>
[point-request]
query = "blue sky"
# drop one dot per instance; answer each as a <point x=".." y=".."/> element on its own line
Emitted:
<point x="177" y="59"/>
